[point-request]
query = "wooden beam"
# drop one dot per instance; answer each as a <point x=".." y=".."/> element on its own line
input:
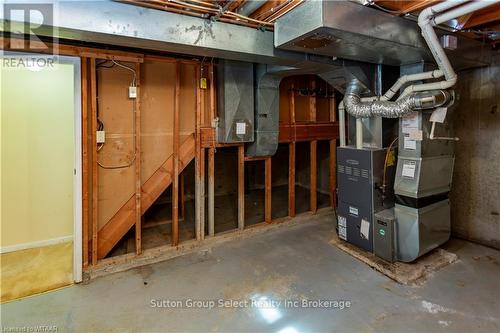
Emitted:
<point x="241" y="187"/>
<point x="255" y="158"/>
<point x="268" y="190"/>
<point x="308" y="132"/>
<point x="267" y="9"/>
<point x="235" y="4"/>
<point x="138" y="182"/>
<point x="95" y="187"/>
<point x="404" y="6"/>
<point x="85" y="162"/>
<point x="211" y="191"/>
<point x="175" y="180"/>
<point x="291" y="179"/>
<point x="313" y="177"/>
<point x="484" y="16"/>
<point x="70" y="50"/>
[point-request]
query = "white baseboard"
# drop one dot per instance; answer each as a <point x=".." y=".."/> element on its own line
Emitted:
<point x="32" y="245"/>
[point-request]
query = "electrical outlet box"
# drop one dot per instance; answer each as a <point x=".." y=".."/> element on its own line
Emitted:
<point x="100" y="136"/>
<point x="132" y="92"/>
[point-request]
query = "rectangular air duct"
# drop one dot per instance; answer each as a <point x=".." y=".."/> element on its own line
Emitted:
<point x="348" y="30"/>
<point x="235" y="98"/>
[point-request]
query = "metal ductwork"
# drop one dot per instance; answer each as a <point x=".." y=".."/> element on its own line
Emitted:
<point x="267" y="94"/>
<point x="235" y="101"/>
<point x="349" y="30"/>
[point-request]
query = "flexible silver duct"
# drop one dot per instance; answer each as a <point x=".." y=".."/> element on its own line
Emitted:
<point x="409" y="103"/>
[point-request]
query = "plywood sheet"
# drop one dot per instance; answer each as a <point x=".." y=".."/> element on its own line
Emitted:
<point x="116" y="111"/>
<point x="157" y="100"/>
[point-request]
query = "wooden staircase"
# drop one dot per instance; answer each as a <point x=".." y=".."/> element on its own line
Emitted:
<point x="124" y="219"/>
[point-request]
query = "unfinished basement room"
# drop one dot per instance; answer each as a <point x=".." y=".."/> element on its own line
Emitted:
<point x="234" y="166"/>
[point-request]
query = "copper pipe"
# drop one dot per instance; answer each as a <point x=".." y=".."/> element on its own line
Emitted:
<point x="161" y="7"/>
<point x="181" y="7"/>
<point x="278" y="14"/>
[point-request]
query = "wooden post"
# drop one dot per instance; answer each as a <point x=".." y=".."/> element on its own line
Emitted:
<point x="212" y="94"/>
<point x="93" y="106"/>
<point x="138" y="183"/>
<point x="211" y="191"/>
<point x="312" y="100"/>
<point x="197" y="163"/>
<point x="175" y="180"/>
<point x="241" y="187"/>
<point x="268" y="190"/>
<point x="314" y="145"/>
<point x="291" y="179"/>
<point x="292" y="102"/>
<point x="314" y="178"/>
<point x="85" y="163"/>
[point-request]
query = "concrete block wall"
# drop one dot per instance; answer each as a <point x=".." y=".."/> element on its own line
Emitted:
<point x="475" y="197"/>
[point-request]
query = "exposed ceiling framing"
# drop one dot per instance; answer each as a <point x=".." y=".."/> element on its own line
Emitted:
<point x="481" y="25"/>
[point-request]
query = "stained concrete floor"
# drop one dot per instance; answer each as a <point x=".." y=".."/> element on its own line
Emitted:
<point x="292" y="263"/>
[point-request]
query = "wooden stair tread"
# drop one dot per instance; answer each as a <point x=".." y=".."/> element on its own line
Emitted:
<point x="124" y="219"/>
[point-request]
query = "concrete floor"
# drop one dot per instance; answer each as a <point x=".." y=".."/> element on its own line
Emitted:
<point x="290" y="263"/>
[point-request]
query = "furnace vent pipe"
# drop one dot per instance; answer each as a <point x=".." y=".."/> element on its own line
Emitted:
<point x="428" y="18"/>
<point x="415" y="101"/>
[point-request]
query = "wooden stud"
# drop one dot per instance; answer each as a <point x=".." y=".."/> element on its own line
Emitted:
<point x="181" y="201"/>
<point x="313" y="155"/>
<point x="314" y="176"/>
<point x="197" y="162"/>
<point x="312" y="100"/>
<point x="95" y="188"/>
<point x="268" y="189"/>
<point x="292" y="102"/>
<point x="291" y="179"/>
<point x="85" y="163"/>
<point x="175" y="180"/>
<point x="241" y="187"/>
<point x="138" y="182"/>
<point x="211" y="191"/>
<point x="212" y="94"/>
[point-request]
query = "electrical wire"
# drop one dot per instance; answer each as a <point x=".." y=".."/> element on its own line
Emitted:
<point x="385" y="163"/>
<point x="100" y="124"/>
